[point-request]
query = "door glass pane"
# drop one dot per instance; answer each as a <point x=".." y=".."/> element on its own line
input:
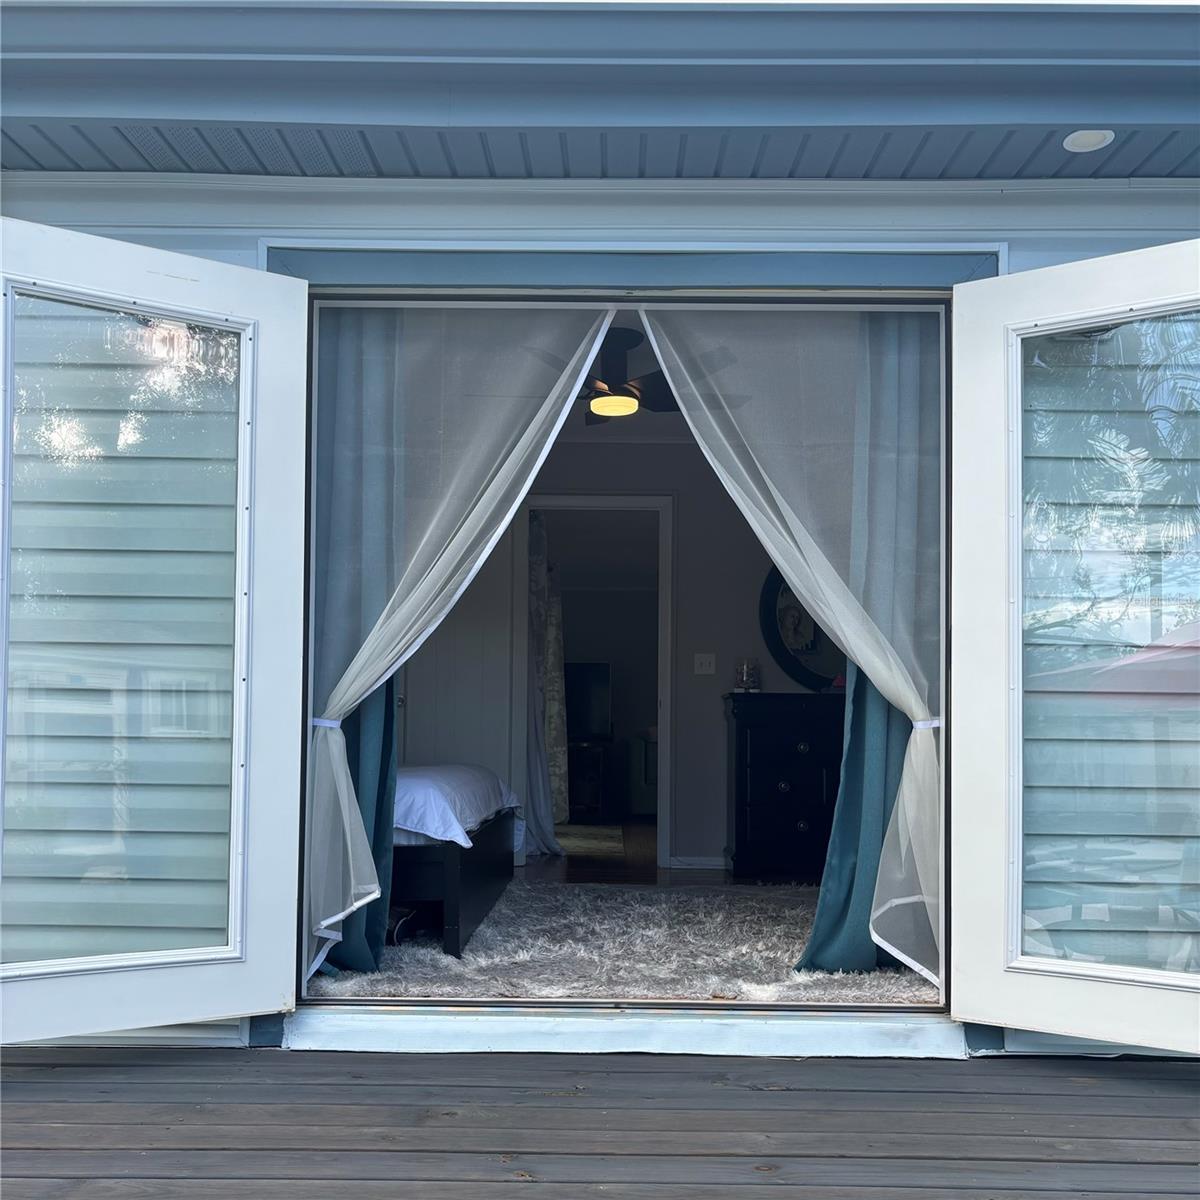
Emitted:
<point x="1111" y="550"/>
<point x="119" y="731"/>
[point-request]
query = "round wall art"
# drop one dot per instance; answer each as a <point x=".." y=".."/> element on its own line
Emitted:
<point x="796" y="642"/>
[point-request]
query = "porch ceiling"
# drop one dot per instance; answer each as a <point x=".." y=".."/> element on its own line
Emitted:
<point x="595" y="91"/>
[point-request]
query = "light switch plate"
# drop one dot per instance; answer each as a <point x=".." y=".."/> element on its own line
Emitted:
<point x="705" y="664"/>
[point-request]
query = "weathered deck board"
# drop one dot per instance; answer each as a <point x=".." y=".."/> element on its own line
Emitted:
<point x="736" y="1173"/>
<point x="526" y="1094"/>
<point x="1065" y="1078"/>
<point x="126" y="1123"/>
<point x="674" y="1143"/>
<point x="484" y="1117"/>
<point x="366" y="1189"/>
<point x="200" y="1065"/>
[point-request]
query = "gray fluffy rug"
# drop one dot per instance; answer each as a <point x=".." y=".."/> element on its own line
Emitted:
<point x="564" y="941"/>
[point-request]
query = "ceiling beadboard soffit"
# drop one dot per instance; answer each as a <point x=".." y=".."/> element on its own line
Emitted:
<point x="512" y="91"/>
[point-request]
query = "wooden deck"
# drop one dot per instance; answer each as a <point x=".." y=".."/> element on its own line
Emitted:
<point x="269" y="1124"/>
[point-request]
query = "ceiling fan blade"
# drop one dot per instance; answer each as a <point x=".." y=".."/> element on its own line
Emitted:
<point x="591" y="418"/>
<point x="614" y="353"/>
<point x="654" y="392"/>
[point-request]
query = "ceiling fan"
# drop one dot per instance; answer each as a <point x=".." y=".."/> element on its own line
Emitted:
<point x="611" y="393"/>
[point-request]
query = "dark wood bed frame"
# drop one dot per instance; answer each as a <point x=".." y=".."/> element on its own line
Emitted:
<point x="466" y="882"/>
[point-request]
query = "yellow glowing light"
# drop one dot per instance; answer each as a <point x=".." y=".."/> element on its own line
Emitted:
<point x="610" y="404"/>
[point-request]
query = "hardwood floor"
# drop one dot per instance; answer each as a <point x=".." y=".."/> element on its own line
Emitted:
<point x="135" y="1124"/>
<point x="637" y="864"/>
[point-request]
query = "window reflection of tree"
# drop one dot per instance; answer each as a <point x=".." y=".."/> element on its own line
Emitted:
<point x="1126" y="400"/>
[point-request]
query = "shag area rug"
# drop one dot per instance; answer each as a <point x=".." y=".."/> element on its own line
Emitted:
<point x="563" y="941"/>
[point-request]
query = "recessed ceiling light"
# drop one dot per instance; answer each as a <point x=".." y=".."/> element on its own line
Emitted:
<point x="1083" y="141"/>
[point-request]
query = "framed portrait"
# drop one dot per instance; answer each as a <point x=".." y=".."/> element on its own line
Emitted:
<point x="796" y="642"/>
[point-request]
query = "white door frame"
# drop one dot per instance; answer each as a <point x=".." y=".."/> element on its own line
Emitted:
<point x="664" y="506"/>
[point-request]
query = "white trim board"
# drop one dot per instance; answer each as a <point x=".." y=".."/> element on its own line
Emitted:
<point x="1025" y="1041"/>
<point x="788" y="1034"/>
<point x="233" y="1032"/>
<point x="236" y="218"/>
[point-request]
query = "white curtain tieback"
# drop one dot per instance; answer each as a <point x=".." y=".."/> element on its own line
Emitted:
<point x="326" y="723"/>
<point x="932" y="723"/>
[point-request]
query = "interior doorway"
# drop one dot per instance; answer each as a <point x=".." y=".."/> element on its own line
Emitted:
<point x="611" y="564"/>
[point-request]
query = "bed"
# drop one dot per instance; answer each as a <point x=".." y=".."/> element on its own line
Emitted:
<point x="454" y="831"/>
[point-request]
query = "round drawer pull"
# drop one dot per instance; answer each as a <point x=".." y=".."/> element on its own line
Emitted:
<point x="802" y="747"/>
<point x="802" y="826"/>
<point x="784" y="786"/>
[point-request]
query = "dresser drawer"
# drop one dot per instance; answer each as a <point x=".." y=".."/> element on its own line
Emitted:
<point x="810" y="741"/>
<point x="785" y="844"/>
<point x="787" y="785"/>
<point x="766" y="825"/>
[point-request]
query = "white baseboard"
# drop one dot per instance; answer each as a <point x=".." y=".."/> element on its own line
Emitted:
<point x="447" y="1030"/>
<point x="683" y="863"/>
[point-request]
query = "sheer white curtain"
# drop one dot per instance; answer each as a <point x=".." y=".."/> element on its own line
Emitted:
<point x="440" y="419"/>
<point x="800" y="435"/>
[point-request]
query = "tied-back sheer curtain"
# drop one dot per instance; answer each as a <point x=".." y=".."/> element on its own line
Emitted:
<point x="431" y="424"/>
<point x="775" y="400"/>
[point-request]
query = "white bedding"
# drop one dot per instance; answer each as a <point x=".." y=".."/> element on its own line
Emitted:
<point x="445" y="804"/>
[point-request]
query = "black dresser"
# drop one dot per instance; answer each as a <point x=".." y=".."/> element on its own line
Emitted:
<point x="785" y="757"/>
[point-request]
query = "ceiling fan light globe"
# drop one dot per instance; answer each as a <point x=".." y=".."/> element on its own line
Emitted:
<point x="613" y="404"/>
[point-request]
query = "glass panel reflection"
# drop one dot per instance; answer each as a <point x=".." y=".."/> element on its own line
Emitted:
<point x="118" y="747"/>
<point x="1111" y="543"/>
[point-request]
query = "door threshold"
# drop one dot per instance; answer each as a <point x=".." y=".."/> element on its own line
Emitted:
<point x="453" y="1029"/>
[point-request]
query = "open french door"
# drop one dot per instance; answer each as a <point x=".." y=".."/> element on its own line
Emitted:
<point x="153" y="501"/>
<point x="1075" y="650"/>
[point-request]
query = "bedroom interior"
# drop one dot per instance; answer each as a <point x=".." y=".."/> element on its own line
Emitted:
<point x="508" y="772"/>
